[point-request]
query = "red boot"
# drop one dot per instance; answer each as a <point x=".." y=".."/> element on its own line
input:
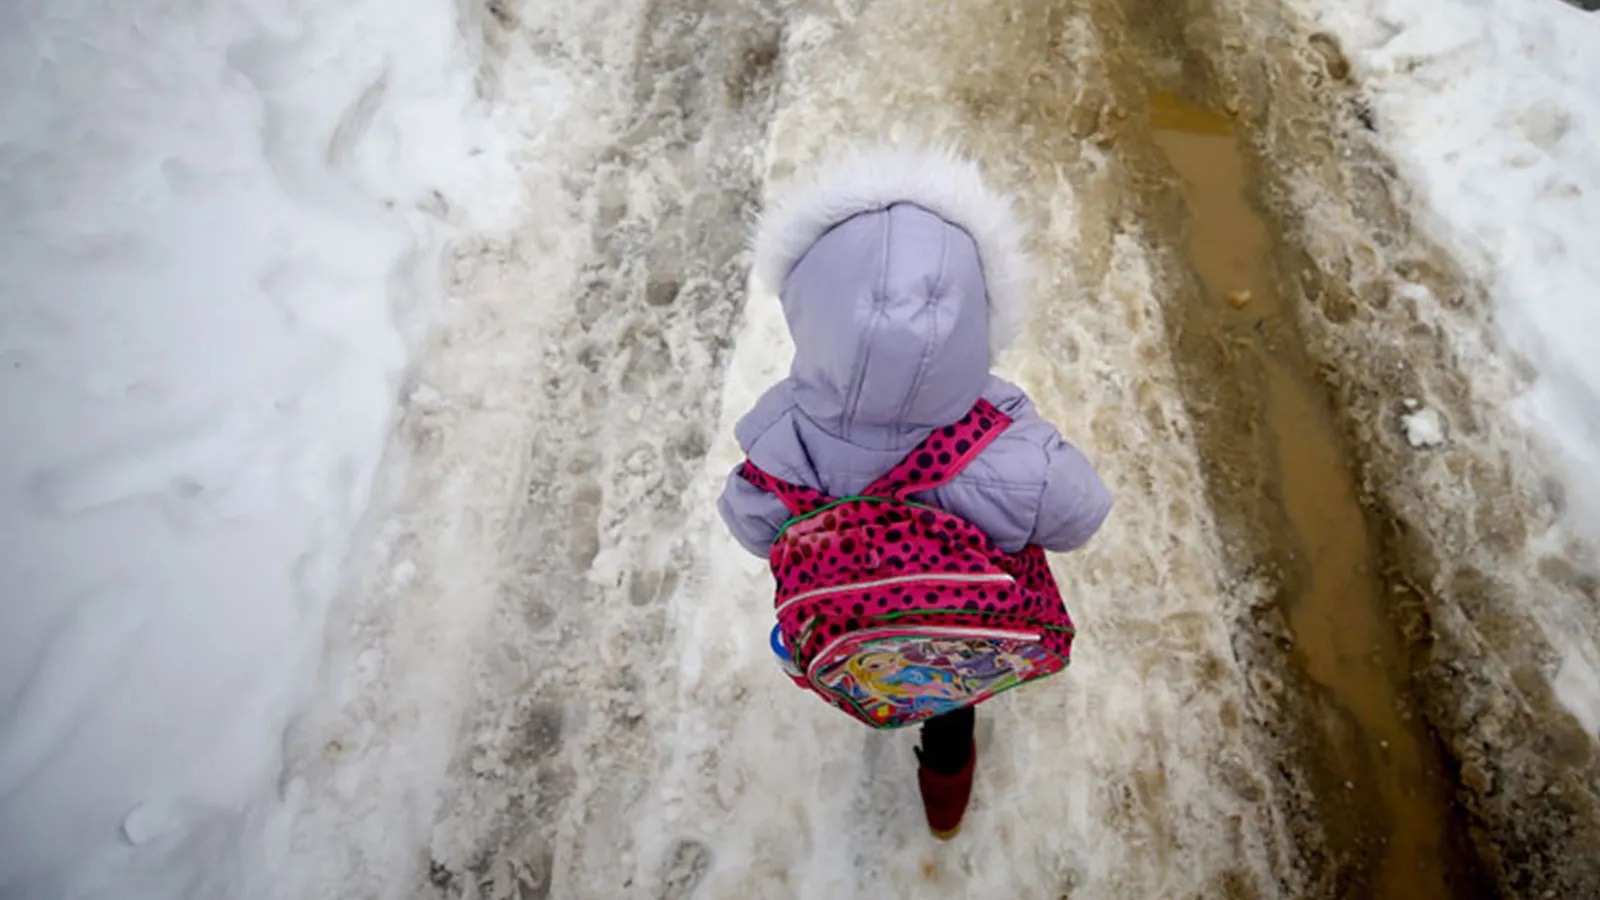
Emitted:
<point x="944" y="797"/>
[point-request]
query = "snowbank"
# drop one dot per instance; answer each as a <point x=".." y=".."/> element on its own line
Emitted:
<point x="223" y="225"/>
<point x="1492" y="110"/>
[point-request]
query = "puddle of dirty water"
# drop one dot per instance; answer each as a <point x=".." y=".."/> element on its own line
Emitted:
<point x="1397" y="812"/>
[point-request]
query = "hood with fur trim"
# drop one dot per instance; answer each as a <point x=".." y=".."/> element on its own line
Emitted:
<point x="901" y="275"/>
<point x="938" y="181"/>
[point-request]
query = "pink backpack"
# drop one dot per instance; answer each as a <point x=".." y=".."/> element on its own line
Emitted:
<point x="896" y="611"/>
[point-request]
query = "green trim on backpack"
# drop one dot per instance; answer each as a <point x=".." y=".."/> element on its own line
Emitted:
<point x="822" y="509"/>
<point x="925" y="610"/>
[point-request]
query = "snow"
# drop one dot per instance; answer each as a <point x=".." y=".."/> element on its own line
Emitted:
<point x="623" y="729"/>
<point x="320" y="565"/>
<point x="1577" y="683"/>
<point x="1491" y="109"/>
<point x="1423" y="428"/>
<point x="223" y="236"/>
<point x="531" y="531"/>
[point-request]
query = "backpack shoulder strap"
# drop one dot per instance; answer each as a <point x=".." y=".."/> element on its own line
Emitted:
<point x="943" y="454"/>
<point x="798" y="498"/>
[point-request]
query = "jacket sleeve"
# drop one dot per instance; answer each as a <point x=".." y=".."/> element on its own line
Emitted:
<point x="1073" y="501"/>
<point x="1030" y="486"/>
<point x="1070" y="501"/>
<point x="753" y="515"/>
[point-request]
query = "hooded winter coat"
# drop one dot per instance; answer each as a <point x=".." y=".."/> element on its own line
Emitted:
<point x="900" y="276"/>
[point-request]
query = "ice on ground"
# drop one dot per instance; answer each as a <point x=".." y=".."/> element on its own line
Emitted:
<point x="223" y="236"/>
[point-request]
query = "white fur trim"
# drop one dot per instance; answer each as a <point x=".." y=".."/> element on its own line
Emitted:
<point x="938" y="181"/>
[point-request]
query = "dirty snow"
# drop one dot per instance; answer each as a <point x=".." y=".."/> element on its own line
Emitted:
<point x="1492" y="110"/>
<point x="1577" y="682"/>
<point x="548" y="671"/>
<point x="222" y="238"/>
<point x="654" y="749"/>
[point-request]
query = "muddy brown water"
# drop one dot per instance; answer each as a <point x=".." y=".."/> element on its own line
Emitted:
<point x="1395" y="823"/>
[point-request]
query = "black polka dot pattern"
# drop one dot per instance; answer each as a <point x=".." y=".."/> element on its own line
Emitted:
<point x="943" y="455"/>
<point x="880" y="564"/>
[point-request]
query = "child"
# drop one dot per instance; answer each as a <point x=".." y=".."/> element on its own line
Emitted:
<point x="901" y="276"/>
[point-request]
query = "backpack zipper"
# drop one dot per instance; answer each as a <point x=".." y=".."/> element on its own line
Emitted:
<point x="855" y="499"/>
<point x="899" y="579"/>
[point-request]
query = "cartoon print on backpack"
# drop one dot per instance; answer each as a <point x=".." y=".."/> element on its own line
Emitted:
<point x="849" y="569"/>
<point x="914" y="679"/>
<point x="888" y="680"/>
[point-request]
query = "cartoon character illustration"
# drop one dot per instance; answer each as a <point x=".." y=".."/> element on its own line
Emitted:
<point x="889" y="676"/>
<point x="984" y="668"/>
<point x="999" y="664"/>
<point x="933" y="675"/>
<point x="949" y="652"/>
<point x="1022" y="657"/>
<point x="892" y="674"/>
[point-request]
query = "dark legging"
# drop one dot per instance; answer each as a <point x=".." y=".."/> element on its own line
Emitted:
<point x="947" y="741"/>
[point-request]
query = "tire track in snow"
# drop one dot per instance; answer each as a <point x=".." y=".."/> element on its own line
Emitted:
<point x="1493" y="594"/>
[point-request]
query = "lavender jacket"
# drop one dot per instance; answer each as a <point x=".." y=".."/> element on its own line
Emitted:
<point x="894" y="326"/>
